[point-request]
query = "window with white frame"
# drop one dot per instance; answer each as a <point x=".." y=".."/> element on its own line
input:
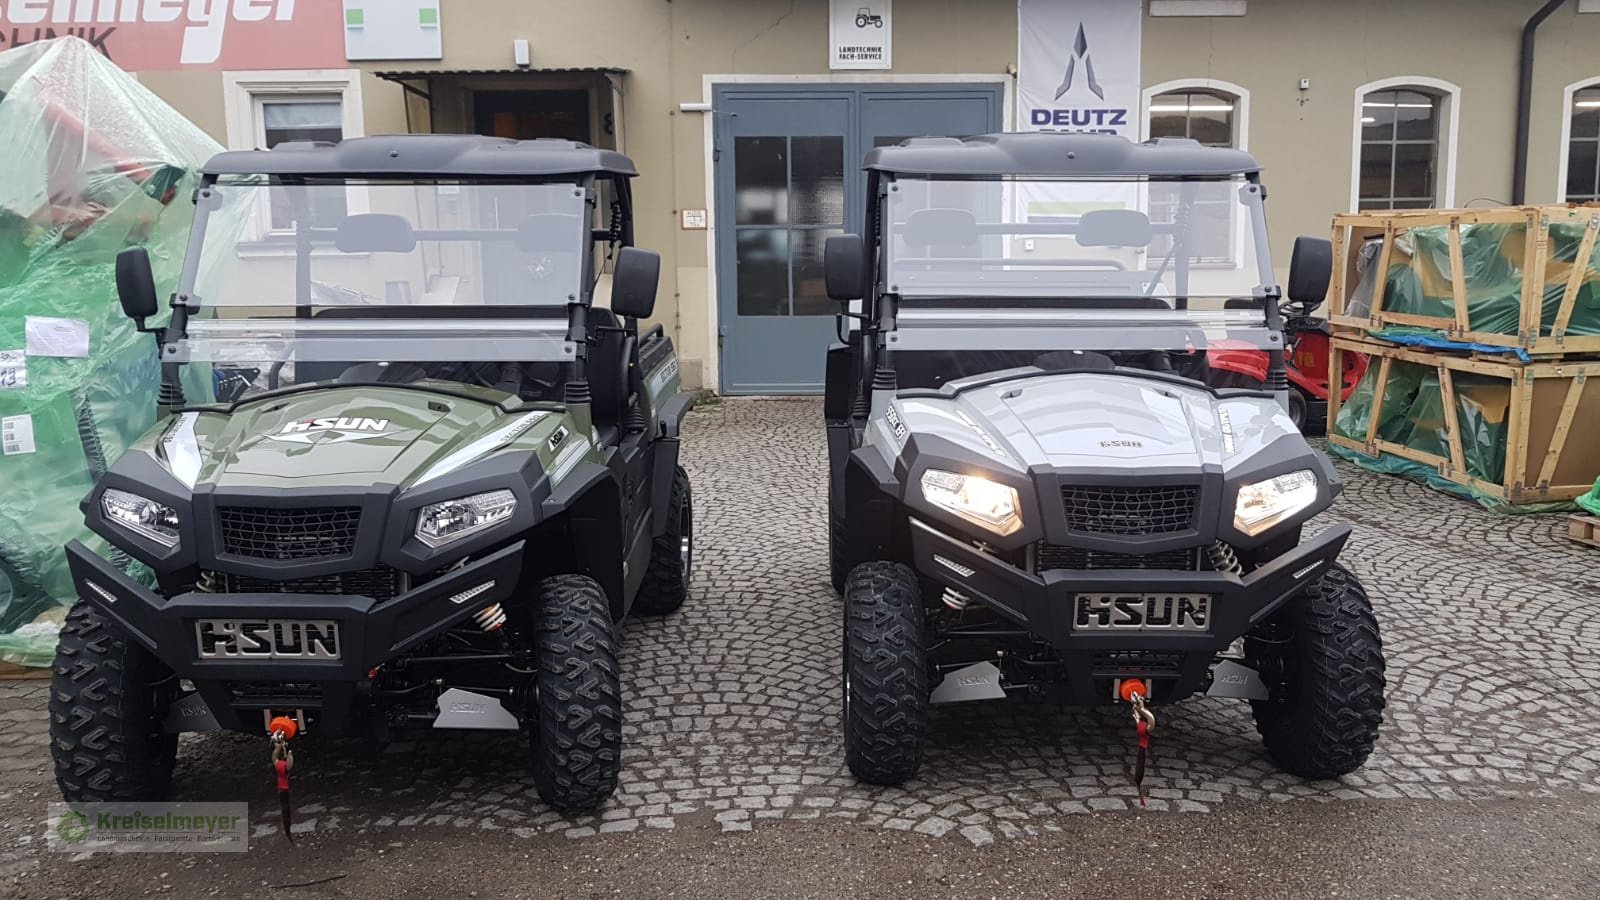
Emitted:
<point x="1205" y="115"/>
<point x="304" y="117"/>
<point x="1400" y="143"/>
<point x="1210" y="117"/>
<point x="265" y="109"/>
<point x="1582" y="179"/>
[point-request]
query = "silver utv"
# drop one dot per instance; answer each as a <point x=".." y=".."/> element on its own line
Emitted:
<point x="1061" y="460"/>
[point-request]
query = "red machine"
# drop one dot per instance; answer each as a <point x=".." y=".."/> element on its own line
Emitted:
<point x="1310" y="343"/>
<point x="1309" y="339"/>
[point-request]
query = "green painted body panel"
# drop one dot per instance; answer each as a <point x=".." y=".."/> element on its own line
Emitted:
<point x="661" y="384"/>
<point x="343" y="437"/>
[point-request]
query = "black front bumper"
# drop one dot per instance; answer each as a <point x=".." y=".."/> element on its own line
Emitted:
<point x="1046" y="605"/>
<point x="370" y="632"/>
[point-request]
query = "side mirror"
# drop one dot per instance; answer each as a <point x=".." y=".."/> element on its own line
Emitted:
<point x="136" y="284"/>
<point x="633" y="282"/>
<point x="844" y="266"/>
<point x="1310" y="270"/>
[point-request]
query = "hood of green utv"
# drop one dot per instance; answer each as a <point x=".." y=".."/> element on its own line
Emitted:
<point x="342" y="436"/>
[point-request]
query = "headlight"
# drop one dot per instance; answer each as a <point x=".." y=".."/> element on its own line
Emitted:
<point x="1267" y="503"/>
<point x="441" y="523"/>
<point x="976" y="499"/>
<point x="141" y="516"/>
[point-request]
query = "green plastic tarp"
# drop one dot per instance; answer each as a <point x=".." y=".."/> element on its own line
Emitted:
<point x="1491" y="254"/>
<point x="94" y="163"/>
<point x="1591" y="500"/>
<point x="1413" y="416"/>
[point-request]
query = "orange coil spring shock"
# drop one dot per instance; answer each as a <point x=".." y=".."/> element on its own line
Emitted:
<point x="491" y="618"/>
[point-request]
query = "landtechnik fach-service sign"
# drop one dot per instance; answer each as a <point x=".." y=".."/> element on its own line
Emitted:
<point x="143" y="35"/>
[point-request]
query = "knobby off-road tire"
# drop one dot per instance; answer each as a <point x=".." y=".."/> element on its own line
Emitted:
<point x="1326" y="680"/>
<point x="885" y="674"/>
<point x="108" y="704"/>
<point x="666" y="580"/>
<point x="577" y="740"/>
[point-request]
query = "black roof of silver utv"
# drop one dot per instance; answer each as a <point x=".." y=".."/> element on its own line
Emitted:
<point x="425" y="156"/>
<point x="1057" y="155"/>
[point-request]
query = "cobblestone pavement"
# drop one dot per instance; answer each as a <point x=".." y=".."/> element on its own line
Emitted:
<point x="732" y="704"/>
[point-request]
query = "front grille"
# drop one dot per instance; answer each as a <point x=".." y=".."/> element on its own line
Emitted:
<point x="1055" y="556"/>
<point x="257" y="695"/>
<point x="285" y="534"/>
<point x="1136" y="662"/>
<point x="381" y="583"/>
<point x="1133" y="511"/>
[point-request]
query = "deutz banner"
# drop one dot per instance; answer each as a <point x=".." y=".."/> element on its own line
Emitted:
<point x="1078" y="65"/>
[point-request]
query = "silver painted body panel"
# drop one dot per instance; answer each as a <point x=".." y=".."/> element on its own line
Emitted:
<point x="459" y="708"/>
<point x="979" y="681"/>
<point x="1091" y="419"/>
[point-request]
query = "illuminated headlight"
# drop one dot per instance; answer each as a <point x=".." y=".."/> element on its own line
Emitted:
<point x="978" y="500"/>
<point x="141" y="516"/>
<point x="441" y="523"/>
<point x="1267" y="503"/>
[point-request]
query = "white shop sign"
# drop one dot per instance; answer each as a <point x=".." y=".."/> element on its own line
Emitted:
<point x="859" y="33"/>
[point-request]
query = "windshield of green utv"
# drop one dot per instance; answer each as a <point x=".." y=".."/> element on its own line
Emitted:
<point x="365" y="280"/>
<point x="1126" y="264"/>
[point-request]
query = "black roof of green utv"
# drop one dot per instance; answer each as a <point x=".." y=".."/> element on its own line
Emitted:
<point x="1056" y="155"/>
<point x="425" y="156"/>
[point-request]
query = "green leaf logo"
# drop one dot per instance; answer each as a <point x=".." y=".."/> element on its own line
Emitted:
<point x="72" y="827"/>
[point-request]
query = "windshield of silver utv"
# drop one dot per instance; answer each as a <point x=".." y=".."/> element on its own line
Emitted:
<point x="1102" y="264"/>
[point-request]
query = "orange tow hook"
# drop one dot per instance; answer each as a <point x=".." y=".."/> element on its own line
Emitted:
<point x="281" y="729"/>
<point x="1135" y="692"/>
<point x="1132" y="686"/>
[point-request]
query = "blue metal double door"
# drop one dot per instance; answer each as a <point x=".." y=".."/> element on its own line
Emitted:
<point x="787" y="164"/>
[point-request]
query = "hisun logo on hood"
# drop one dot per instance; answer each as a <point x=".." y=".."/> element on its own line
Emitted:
<point x="332" y="430"/>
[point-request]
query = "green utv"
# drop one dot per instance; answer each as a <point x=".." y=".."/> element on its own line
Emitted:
<point x="407" y="473"/>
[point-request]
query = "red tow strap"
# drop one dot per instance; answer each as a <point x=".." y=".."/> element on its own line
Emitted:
<point x="1138" y="765"/>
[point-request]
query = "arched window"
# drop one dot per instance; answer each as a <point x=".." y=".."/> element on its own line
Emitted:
<point x="1580" y="178"/>
<point x="1216" y="114"/>
<point x="1402" y="134"/>
<point x="1206" y="115"/>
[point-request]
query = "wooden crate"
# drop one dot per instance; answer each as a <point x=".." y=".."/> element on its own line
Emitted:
<point x="1548" y="402"/>
<point x="1584" y="530"/>
<point x="14" y="672"/>
<point x="1351" y="230"/>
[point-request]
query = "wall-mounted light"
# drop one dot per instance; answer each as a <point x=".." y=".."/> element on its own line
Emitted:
<point x="522" y="53"/>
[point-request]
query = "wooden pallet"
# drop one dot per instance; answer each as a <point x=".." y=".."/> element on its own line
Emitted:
<point x="1539" y="269"/>
<point x="1584" y="530"/>
<point x="1546" y="404"/>
<point x="14" y="672"/>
